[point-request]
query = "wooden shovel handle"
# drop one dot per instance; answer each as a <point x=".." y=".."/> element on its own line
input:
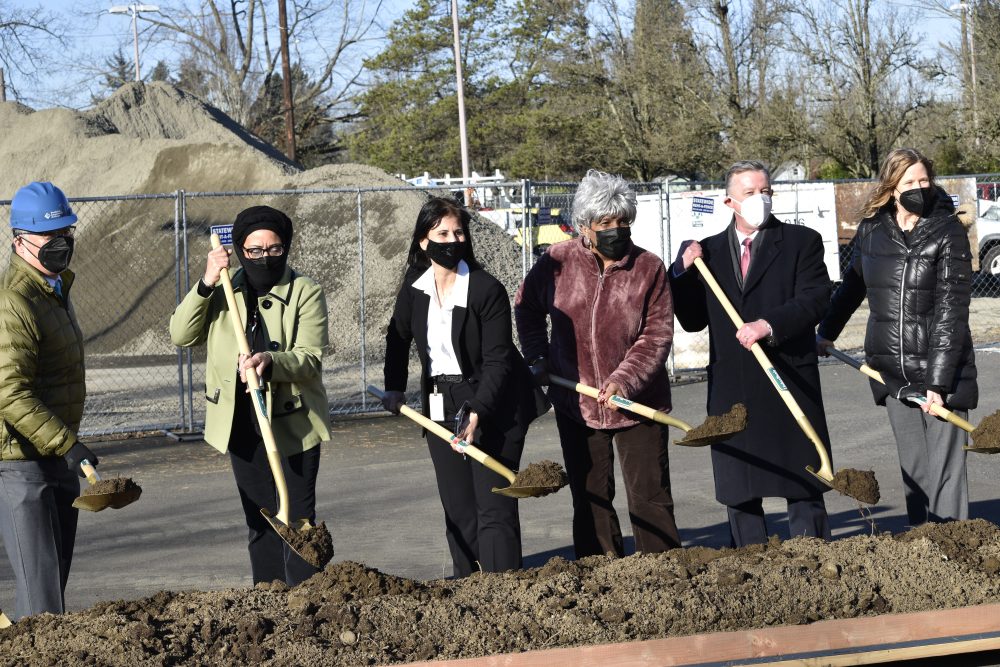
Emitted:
<point x="90" y="472"/>
<point x="937" y="410"/>
<point x="638" y="408"/>
<point x="257" y="396"/>
<point x="444" y="434"/>
<point x="826" y="469"/>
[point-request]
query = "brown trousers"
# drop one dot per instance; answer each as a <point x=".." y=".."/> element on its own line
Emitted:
<point x="590" y="465"/>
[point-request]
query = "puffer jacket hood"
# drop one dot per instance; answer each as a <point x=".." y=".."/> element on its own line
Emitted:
<point x="918" y="290"/>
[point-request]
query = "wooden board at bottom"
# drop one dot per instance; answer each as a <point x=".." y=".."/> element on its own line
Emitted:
<point x="852" y="641"/>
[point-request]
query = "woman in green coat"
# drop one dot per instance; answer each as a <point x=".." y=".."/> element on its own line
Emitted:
<point x="286" y="326"/>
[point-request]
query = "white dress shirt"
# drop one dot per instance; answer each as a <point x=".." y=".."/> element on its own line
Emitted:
<point x="440" y="349"/>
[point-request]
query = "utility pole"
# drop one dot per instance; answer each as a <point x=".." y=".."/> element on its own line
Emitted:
<point x="286" y="83"/>
<point x="134" y="9"/>
<point x="3" y="87"/>
<point x="463" y="141"/>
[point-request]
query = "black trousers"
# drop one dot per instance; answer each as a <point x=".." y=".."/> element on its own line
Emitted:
<point x="590" y="465"/>
<point x="483" y="528"/>
<point x="270" y="557"/>
<point x="806" y="517"/>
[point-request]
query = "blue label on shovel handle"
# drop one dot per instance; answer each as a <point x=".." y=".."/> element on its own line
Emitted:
<point x="258" y="395"/>
<point x="776" y="379"/>
<point x="621" y="402"/>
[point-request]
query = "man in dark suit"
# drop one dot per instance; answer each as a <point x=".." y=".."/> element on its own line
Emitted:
<point x="774" y="275"/>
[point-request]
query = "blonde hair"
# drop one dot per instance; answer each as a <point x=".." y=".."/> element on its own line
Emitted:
<point x="895" y="165"/>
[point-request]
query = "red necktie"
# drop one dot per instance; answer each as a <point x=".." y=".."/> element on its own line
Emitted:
<point x="745" y="257"/>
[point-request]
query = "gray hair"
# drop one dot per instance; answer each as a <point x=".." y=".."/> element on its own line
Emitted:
<point x="744" y="166"/>
<point x="602" y="195"/>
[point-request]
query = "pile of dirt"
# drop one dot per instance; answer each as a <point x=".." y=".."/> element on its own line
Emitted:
<point x="350" y="614"/>
<point x="151" y="138"/>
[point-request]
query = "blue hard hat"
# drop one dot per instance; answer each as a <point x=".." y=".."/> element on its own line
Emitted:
<point x="40" y="207"/>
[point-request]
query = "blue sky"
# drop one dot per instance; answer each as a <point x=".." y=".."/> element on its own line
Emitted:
<point x="95" y="35"/>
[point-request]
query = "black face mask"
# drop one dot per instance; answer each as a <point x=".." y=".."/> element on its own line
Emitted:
<point x="263" y="273"/>
<point x="917" y="200"/>
<point x="614" y="243"/>
<point x="447" y="255"/>
<point x="54" y="255"/>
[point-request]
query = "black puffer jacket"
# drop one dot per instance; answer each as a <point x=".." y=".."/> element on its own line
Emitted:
<point x="918" y="294"/>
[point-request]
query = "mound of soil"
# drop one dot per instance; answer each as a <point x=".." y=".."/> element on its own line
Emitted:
<point x="112" y="485"/>
<point x="547" y="475"/>
<point x="350" y="614"/>
<point x="314" y="544"/>
<point x="858" y="484"/>
<point x="717" y="427"/>
<point x="986" y="436"/>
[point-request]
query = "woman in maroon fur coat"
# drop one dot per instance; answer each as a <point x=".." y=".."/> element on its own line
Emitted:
<point x="611" y="314"/>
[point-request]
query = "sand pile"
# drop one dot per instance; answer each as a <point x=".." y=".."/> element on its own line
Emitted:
<point x="153" y="138"/>
<point x="351" y="615"/>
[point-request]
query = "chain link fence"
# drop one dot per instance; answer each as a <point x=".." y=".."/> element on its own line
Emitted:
<point x="137" y="256"/>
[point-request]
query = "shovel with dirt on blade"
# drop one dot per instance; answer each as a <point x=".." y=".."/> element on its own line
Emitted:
<point x="538" y="479"/>
<point x="716" y="428"/>
<point x="113" y="492"/>
<point x="858" y="484"/>
<point x="312" y="543"/>
<point x="985" y="437"/>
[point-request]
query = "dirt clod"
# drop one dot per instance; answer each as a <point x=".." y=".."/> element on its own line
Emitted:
<point x="112" y="485"/>
<point x="986" y="436"/>
<point x="548" y="476"/>
<point x="717" y="427"/>
<point x="350" y="614"/>
<point x="858" y="484"/>
<point x="314" y="544"/>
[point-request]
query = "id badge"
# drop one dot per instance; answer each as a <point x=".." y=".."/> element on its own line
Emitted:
<point x="437" y="407"/>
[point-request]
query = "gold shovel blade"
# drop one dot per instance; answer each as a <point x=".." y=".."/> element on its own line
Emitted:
<point x="282" y="530"/>
<point x="99" y="501"/>
<point x="525" y="491"/>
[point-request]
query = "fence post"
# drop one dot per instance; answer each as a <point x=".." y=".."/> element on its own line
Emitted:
<point x="177" y="299"/>
<point x="525" y="184"/>
<point x="187" y="286"/>
<point x="361" y="299"/>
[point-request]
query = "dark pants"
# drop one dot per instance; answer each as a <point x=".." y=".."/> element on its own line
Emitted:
<point x="483" y="528"/>
<point x="590" y="465"/>
<point x="270" y="557"/>
<point x="806" y="517"/>
<point x="38" y="527"/>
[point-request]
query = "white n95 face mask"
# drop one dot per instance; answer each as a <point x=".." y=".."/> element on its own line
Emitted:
<point x="755" y="210"/>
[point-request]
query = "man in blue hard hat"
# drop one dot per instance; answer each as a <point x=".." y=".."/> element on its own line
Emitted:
<point x="42" y="392"/>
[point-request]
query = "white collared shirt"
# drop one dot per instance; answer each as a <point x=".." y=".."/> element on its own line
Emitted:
<point x="440" y="349"/>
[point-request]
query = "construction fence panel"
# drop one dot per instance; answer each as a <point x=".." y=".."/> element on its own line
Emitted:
<point x="125" y="262"/>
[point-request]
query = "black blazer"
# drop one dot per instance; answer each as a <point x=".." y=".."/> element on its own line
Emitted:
<point x="503" y="392"/>
<point x="788" y="286"/>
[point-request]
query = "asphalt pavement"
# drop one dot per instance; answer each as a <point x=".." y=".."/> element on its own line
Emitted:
<point x="376" y="492"/>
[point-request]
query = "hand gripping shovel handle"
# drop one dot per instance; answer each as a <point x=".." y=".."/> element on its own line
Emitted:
<point x="260" y="407"/>
<point x="638" y="408"/>
<point x="895" y="386"/>
<point x="825" y="471"/>
<point x="442" y="432"/>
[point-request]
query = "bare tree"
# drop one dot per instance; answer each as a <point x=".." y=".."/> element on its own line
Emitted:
<point x="229" y="42"/>
<point x="27" y="37"/>
<point x="868" y="79"/>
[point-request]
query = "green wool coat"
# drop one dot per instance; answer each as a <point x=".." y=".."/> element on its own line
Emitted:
<point x="42" y="384"/>
<point x="295" y="324"/>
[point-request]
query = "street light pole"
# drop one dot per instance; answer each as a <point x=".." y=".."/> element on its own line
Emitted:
<point x="134" y="9"/>
<point x="463" y="140"/>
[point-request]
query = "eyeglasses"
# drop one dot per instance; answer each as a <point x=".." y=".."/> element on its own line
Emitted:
<point x="276" y="250"/>
<point x="65" y="231"/>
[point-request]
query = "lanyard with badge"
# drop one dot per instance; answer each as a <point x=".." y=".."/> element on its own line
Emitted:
<point x="436" y="401"/>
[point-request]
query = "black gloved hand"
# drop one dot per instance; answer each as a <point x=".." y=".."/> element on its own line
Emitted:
<point x="78" y="453"/>
<point x="540" y="371"/>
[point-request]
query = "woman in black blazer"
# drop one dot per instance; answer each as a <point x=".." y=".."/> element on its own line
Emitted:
<point x="460" y="317"/>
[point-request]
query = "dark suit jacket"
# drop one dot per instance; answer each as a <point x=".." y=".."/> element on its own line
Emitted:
<point x="787" y="284"/>
<point x="499" y="385"/>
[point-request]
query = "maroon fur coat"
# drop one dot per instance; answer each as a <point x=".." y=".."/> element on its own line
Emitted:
<point x="615" y="326"/>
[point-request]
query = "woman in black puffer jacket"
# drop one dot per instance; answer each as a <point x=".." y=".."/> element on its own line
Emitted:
<point x="912" y="258"/>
